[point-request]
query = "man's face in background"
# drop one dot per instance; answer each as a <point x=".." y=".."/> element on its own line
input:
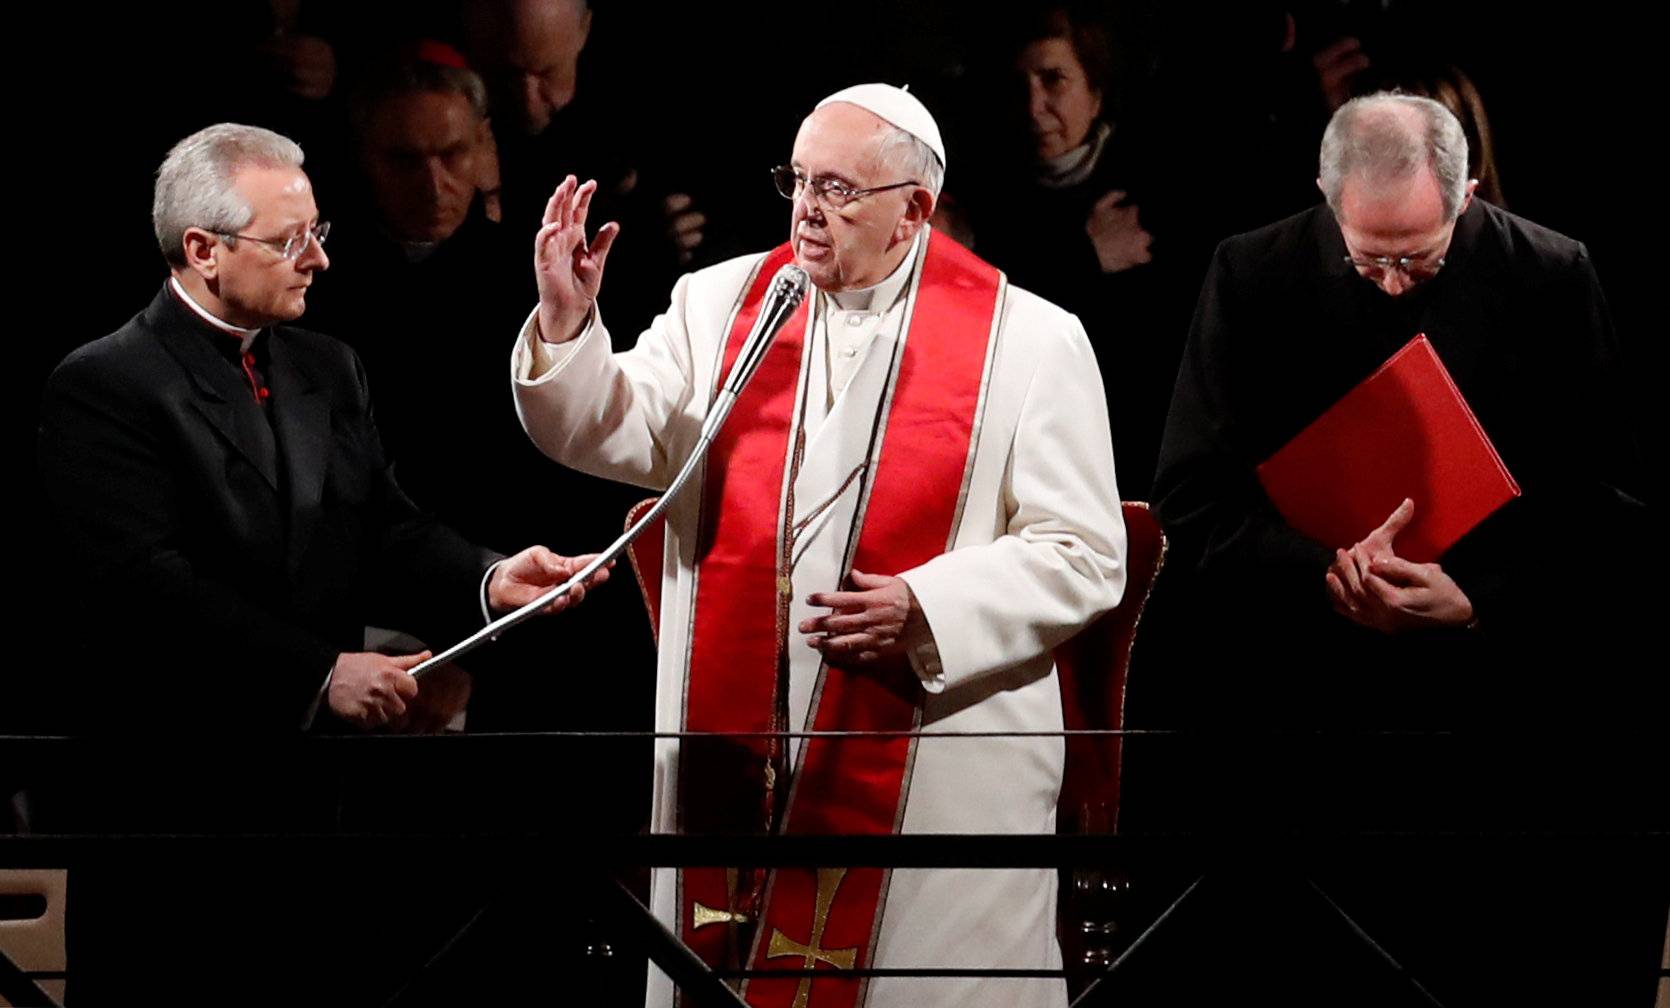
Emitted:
<point x="421" y="153"/>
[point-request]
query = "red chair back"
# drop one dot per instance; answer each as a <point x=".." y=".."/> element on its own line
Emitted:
<point x="1093" y="668"/>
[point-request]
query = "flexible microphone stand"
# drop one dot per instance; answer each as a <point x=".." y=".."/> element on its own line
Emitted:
<point x="788" y="289"/>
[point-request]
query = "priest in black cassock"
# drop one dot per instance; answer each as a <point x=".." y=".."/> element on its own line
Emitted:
<point x="227" y="523"/>
<point x="1521" y="627"/>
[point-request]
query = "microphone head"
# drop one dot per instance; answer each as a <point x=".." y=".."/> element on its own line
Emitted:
<point x="788" y="289"/>
<point x="790" y="284"/>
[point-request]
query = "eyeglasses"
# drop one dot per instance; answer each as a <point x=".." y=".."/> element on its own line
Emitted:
<point x="831" y="192"/>
<point x="1413" y="267"/>
<point x="290" y="248"/>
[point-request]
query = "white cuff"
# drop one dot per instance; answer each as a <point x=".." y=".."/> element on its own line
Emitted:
<point x="924" y="661"/>
<point x="318" y="698"/>
<point x="538" y="360"/>
<point x="486" y="610"/>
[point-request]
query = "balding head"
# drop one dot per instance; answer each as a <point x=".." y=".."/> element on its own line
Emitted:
<point x="1394" y="170"/>
<point x="529" y="52"/>
<point x="1383" y="141"/>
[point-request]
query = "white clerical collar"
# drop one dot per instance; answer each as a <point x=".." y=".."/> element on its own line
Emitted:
<point x="245" y="336"/>
<point x="417" y="252"/>
<point x="882" y="295"/>
<point x="1075" y="166"/>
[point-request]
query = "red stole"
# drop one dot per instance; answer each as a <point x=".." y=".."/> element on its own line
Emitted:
<point x="736" y="681"/>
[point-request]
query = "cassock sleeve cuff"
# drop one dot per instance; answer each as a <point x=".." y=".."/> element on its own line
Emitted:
<point x="923" y="651"/>
<point x="535" y="361"/>
<point x="924" y="661"/>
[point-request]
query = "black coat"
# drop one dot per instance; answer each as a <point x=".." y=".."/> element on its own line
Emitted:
<point x="1135" y="318"/>
<point x="228" y="560"/>
<point x="1545" y="715"/>
<point x="1285" y="327"/>
<point x="1241" y="633"/>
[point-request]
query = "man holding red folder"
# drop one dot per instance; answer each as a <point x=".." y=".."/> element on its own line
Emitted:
<point x="1296" y="315"/>
<point x="1521" y="622"/>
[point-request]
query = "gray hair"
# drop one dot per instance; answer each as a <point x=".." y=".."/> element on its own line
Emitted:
<point x="414" y="77"/>
<point x="194" y="184"/>
<point x="913" y="157"/>
<point x="1390" y="136"/>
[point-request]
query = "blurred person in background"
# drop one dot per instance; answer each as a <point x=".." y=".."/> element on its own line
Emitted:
<point x="1060" y="215"/>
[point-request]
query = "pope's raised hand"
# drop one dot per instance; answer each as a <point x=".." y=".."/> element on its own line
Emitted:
<point x="568" y="269"/>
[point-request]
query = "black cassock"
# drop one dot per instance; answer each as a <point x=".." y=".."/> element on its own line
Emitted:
<point x="243" y="545"/>
<point x="213" y="557"/>
<point x="1549" y="708"/>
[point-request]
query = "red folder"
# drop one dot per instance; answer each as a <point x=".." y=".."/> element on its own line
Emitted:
<point x="1404" y="432"/>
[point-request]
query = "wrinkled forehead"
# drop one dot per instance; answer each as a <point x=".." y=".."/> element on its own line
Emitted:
<point x="278" y="196"/>
<point x="1396" y="210"/>
<point x="840" y="138"/>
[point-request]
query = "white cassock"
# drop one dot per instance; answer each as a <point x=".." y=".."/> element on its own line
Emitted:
<point x="1039" y="552"/>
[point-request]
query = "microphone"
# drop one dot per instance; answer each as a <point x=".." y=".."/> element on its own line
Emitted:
<point x="788" y="290"/>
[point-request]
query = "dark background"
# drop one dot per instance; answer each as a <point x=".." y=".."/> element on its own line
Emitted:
<point x="713" y="96"/>
<point x="717" y="91"/>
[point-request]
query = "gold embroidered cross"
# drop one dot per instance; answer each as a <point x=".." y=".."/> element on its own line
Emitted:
<point x="829" y="880"/>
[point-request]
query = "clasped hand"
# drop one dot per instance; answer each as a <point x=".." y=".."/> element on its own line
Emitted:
<point x="1369" y="584"/>
<point x="870" y="625"/>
